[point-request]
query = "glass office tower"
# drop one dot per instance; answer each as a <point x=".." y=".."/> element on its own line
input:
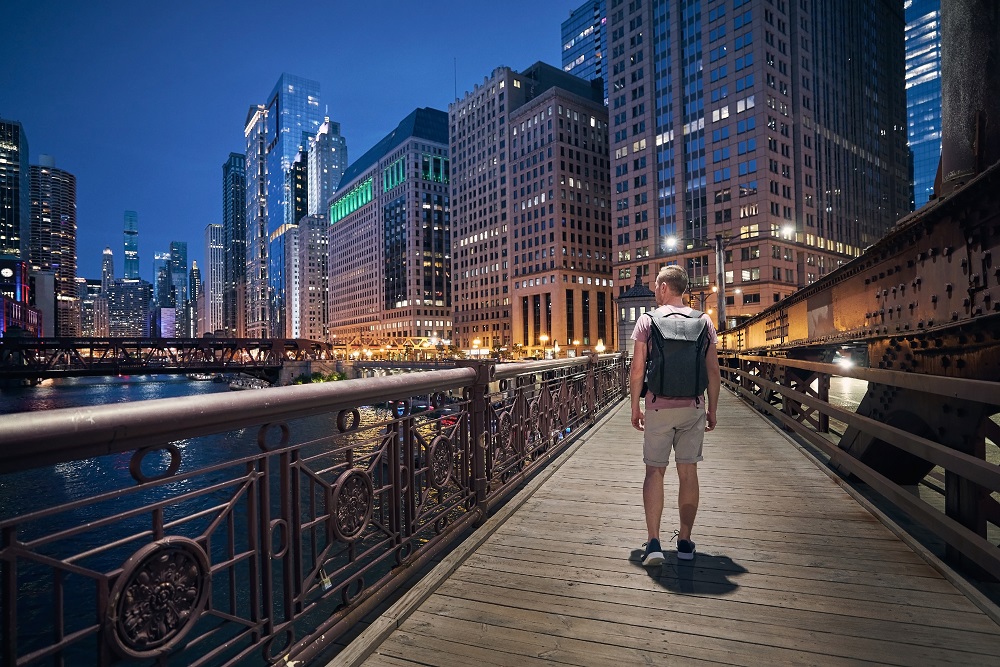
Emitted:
<point x="585" y="42"/>
<point x="131" y="245"/>
<point x="234" y="239"/>
<point x="15" y="200"/>
<point x="923" y="93"/>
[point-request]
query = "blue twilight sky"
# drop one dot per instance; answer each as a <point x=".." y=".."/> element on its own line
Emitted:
<point x="143" y="101"/>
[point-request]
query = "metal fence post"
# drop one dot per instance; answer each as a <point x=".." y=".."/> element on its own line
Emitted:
<point x="479" y="429"/>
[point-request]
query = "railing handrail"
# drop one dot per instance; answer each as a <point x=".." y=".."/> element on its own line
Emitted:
<point x="982" y="391"/>
<point x="760" y="382"/>
<point x="33" y="439"/>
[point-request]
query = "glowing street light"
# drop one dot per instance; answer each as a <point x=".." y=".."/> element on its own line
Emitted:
<point x="599" y="348"/>
<point x="543" y="339"/>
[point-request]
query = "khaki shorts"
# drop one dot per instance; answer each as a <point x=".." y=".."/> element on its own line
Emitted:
<point x="682" y="429"/>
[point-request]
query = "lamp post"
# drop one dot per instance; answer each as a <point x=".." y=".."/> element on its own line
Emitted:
<point x="543" y="339"/>
<point x="599" y="348"/>
<point x="720" y="279"/>
<point x="555" y="349"/>
<point x="475" y="347"/>
<point x="576" y="345"/>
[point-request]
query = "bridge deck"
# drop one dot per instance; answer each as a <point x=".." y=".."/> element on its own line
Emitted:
<point x="790" y="570"/>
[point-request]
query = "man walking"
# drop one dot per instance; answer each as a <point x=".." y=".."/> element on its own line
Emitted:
<point x="671" y="422"/>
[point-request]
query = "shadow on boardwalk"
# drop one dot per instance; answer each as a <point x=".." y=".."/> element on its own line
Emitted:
<point x="790" y="570"/>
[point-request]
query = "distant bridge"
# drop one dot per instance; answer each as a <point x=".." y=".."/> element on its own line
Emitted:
<point x="29" y="358"/>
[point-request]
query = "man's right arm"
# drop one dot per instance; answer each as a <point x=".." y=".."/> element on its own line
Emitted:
<point x="637" y="376"/>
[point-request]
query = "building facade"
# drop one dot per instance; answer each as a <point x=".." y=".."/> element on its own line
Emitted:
<point x="131" y="245"/>
<point x="215" y="260"/>
<point x="15" y="198"/>
<point x="107" y="269"/>
<point x="755" y="128"/>
<point x="89" y="290"/>
<point x="327" y="160"/>
<point x="390" y="243"/>
<point x="258" y="294"/>
<point x="313" y="242"/>
<point x="585" y="42"/>
<point x="128" y="308"/>
<point x="195" y="298"/>
<point x="53" y="240"/>
<point x="531" y="216"/>
<point x="234" y="237"/>
<point x="180" y="292"/>
<point x="923" y="93"/>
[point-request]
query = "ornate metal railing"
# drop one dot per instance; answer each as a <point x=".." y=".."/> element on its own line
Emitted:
<point x="909" y="429"/>
<point x="256" y="527"/>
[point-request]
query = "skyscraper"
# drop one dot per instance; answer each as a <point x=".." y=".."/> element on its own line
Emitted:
<point x="194" y="300"/>
<point x="162" y="297"/>
<point x="107" y="269"/>
<point x="128" y="308"/>
<point x="179" y="287"/>
<point x="923" y="93"/>
<point x="758" y="125"/>
<point x="89" y="291"/>
<point x="530" y="209"/>
<point x="314" y="277"/>
<point x="234" y="236"/>
<point x="293" y="116"/>
<point x="327" y="159"/>
<point x="215" y="259"/>
<point x="131" y="245"/>
<point x="15" y="200"/>
<point x="585" y="42"/>
<point x="390" y="240"/>
<point x="258" y="293"/>
<point x="53" y="239"/>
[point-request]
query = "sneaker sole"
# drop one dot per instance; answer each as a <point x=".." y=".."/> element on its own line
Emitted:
<point x="685" y="556"/>
<point x="653" y="559"/>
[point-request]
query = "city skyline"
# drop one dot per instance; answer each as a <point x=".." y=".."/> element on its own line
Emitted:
<point x="152" y="100"/>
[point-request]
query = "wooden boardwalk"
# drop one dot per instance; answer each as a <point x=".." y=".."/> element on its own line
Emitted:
<point x="790" y="570"/>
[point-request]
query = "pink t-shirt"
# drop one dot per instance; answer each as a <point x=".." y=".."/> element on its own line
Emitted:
<point x="641" y="333"/>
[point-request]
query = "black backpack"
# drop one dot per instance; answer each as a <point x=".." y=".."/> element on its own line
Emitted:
<point x="675" y="358"/>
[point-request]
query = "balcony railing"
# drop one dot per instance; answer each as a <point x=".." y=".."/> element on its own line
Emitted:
<point x="257" y="527"/>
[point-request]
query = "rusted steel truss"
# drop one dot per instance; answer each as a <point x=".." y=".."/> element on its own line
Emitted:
<point x="27" y="358"/>
<point x="316" y="501"/>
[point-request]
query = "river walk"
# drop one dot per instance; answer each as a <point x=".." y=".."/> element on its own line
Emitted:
<point x="791" y="569"/>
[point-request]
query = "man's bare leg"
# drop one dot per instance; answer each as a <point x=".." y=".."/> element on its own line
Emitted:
<point x="687" y="497"/>
<point x="652" y="499"/>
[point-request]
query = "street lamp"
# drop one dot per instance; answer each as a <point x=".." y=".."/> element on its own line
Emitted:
<point x="543" y="339"/>
<point x="555" y="349"/>
<point x="475" y="347"/>
<point x="599" y="348"/>
<point x="576" y="344"/>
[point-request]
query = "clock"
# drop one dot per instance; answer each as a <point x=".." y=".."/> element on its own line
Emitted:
<point x="6" y="273"/>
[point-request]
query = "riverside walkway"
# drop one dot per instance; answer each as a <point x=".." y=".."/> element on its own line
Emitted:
<point x="791" y="569"/>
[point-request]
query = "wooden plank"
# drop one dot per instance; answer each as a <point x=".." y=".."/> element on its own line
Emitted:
<point x="609" y="602"/>
<point x="634" y="626"/>
<point x="611" y="548"/>
<point x="699" y="577"/>
<point x="791" y="569"/>
<point x="558" y="638"/>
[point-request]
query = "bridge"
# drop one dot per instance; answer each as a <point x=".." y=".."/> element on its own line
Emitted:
<point x="23" y="358"/>
<point x="274" y="526"/>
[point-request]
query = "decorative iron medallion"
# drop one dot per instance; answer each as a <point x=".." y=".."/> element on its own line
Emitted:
<point x="439" y="459"/>
<point x="157" y="599"/>
<point x="353" y="497"/>
<point x="504" y="428"/>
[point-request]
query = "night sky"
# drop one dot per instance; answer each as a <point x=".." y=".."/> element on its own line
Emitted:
<point x="144" y="101"/>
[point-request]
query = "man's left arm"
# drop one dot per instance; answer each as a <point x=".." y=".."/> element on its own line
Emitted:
<point x="714" y="384"/>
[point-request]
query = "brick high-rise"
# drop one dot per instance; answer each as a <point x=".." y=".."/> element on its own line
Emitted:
<point x="531" y="222"/>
